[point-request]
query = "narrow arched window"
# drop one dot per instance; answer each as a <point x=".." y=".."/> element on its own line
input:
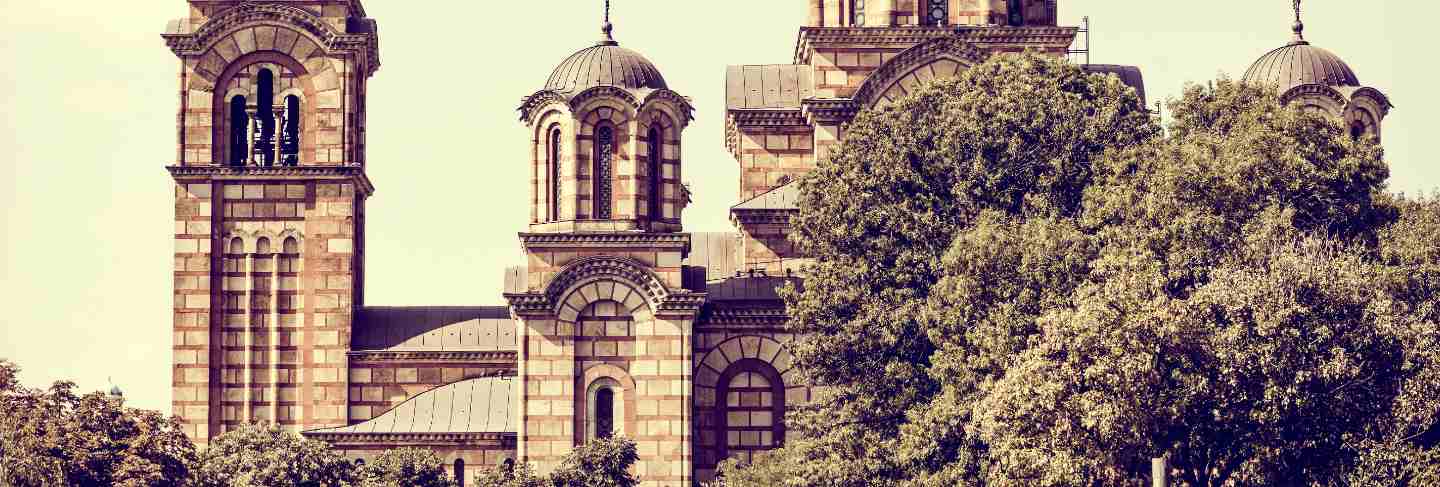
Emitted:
<point x="857" y="13"/>
<point x="262" y="246"/>
<point x="237" y="246"/>
<point x="605" y="413"/>
<point x="936" y="12"/>
<point x="291" y="246"/>
<point x="604" y="169"/>
<point x="460" y="472"/>
<point x="239" y="131"/>
<point x="657" y="174"/>
<point x="1357" y="130"/>
<point x="290" y="141"/>
<point x="1017" y="12"/>
<point x="264" y="101"/>
<point x="553" y="162"/>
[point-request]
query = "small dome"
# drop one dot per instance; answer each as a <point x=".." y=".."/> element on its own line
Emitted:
<point x="1300" y="63"/>
<point x="116" y="392"/>
<point x="605" y="64"/>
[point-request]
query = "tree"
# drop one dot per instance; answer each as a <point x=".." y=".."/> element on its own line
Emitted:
<point x="55" y="437"/>
<point x="1019" y="282"/>
<point x="266" y="455"/>
<point x="405" y="467"/>
<point x="601" y="462"/>
<point x="1016" y="135"/>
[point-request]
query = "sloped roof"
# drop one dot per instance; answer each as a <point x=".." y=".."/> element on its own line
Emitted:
<point x="479" y="405"/>
<point x="785" y="197"/>
<point x="772" y="86"/>
<point x="715" y="252"/>
<point x="434" y="328"/>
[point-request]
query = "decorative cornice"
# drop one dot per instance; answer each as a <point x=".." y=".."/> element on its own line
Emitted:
<point x="437" y="356"/>
<point x="767" y="117"/>
<point x="529" y="107"/>
<point x="679" y="241"/>
<point x="682" y="303"/>
<point x="717" y="316"/>
<point x="353" y="172"/>
<point x="1315" y="89"/>
<point x="339" y="438"/>
<point x="330" y="40"/>
<point x="814" y="37"/>
<point x="749" y="216"/>
<point x="529" y="304"/>
<point x="829" y="110"/>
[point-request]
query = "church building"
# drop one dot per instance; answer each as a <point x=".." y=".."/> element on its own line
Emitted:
<point x="621" y="323"/>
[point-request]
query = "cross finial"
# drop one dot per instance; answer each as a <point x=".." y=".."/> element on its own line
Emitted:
<point x="607" y="28"/>
<point x="1299" y="27"/>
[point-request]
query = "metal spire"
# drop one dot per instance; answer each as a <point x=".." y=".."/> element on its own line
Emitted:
<point x="1299" y="27"/>
<point x="607" y="28"/>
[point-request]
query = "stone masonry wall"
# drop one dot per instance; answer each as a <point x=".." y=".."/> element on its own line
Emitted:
<point x="264" y="300"/>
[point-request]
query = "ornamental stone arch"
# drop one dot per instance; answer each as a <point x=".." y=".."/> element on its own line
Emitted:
<point x="746" y="347"/>
<point x="600" y="278"/>
<point x="254" y="27"/>
<point x="937" y="58"/>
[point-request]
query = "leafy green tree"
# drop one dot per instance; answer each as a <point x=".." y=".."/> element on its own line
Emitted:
<point x="1020" y="282"/>
<point x="267" y="455"/>
<point x="1016" y="135"/>
<point x="598" y="463"/>
<point x="405" y="467"/>
<point x="55" y="437"/>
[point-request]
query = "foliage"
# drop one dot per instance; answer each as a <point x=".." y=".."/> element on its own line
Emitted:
<point x="1019" y="281"/>
<point x="55" y="437"/>
<point x="405" y="467"/>
<point x="266" y="455"/>
<point x="598" y="463"/>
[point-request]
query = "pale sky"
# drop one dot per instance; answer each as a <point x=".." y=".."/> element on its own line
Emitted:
<point x="88" y="94"/>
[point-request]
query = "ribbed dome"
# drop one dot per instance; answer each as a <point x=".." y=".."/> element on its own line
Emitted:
<point x="605" y="64"/>
<point x="1300" y="63"/>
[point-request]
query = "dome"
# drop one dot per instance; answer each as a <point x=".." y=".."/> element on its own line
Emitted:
<point x="1300" y="63"/>
<point x="604" y="64"/>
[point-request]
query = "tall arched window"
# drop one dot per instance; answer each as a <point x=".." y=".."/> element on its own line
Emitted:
<point x="936" y="12"/>
<point x="604" y="411"/>
<point x="552" y="158"/>
<point x="604" y="169"/>
<point x="751" y="417"/>
<point x="239" y="131"/>
<point x="460" y="472"/>
<point x="290" y="142"/>
<point x="1017" y="12"/>
<point x="857" y="13"/>
<point x="656" y="174"/>
<point x="264" y="100"/>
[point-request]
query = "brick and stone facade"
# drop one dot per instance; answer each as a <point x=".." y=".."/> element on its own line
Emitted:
<point x="621" y="323"/>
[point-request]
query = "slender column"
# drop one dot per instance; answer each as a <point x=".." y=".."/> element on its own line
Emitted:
<point x="272" y="351"/>
<point x="249" y="341"/>
<point x="253" y="134"/>
<point x="278" y="137"/>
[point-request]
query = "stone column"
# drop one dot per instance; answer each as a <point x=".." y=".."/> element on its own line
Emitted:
<point x="816" y="13"/>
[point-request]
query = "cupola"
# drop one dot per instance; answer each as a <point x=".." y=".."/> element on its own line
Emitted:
<point x="1317" y="79"/>
<point x="606" y="143"/>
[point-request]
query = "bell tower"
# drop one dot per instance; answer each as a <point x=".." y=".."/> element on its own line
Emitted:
<point x="270" y="191"/>
<point x="604" y="318"/>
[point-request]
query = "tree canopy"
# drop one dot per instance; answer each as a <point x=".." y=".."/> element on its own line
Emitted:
<point x="603" y="462"/>
<point x="1020" y="280"/>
